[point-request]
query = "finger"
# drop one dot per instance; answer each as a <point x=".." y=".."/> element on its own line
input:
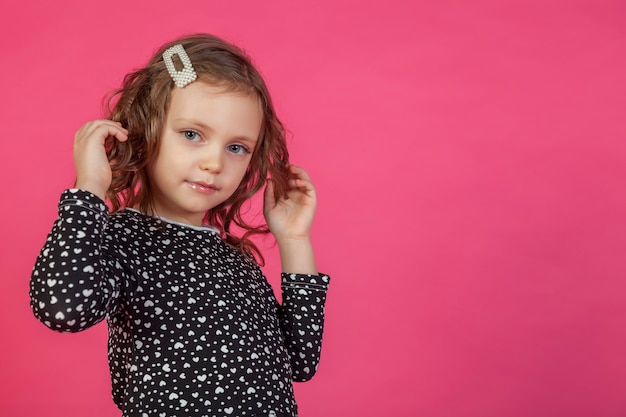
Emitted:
<point x="95" y="124"/>
<point x="298" y="172"/>
<point x="121" y="135"/>
<point x="101" y="126"/>
<point x="299" y="183"/>
<point x="115" y="129"/>
<point x="104" y="130"/>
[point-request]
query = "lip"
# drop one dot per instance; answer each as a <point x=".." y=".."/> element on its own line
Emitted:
<point x="202" y="187"/>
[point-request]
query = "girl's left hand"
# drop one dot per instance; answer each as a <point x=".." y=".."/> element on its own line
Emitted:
<point x="292" y="217"/>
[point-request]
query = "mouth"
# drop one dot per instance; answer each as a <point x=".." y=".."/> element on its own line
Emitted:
<point x="202" y="187"/>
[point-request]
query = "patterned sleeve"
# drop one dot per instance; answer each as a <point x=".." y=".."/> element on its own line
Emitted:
<point x="302" y="320"/>
<point x="72" y="286"/>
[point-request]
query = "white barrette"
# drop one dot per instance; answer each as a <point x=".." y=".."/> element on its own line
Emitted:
<point x="184" y="76"/>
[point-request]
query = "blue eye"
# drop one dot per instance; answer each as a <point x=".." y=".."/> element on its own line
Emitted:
<point x="191" y="135"/>
<point x="238" y="149"/>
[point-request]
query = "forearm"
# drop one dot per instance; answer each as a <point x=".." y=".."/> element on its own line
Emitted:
<point x="302" y="321"/>
<point x="69" y="288"/>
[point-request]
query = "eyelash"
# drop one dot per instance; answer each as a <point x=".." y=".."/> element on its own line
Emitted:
<point x="196" y="137"/>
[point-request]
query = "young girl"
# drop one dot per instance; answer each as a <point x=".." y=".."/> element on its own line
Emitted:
<point x="194" y="326"/>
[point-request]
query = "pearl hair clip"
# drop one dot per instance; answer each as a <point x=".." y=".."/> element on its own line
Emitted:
<point x="184" y="76"/>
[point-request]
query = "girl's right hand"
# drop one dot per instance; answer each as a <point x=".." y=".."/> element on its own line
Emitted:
<point x="93" y="171"/>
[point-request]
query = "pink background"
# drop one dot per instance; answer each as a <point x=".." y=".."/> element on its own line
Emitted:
<point x="470" y="161"/>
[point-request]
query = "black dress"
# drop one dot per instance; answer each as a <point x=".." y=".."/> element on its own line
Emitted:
<point x="194" y="326"/>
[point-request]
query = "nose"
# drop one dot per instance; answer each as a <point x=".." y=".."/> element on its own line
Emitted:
<point x="211" y="159"/>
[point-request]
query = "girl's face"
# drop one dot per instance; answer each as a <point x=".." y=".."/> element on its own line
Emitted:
<point x="206" y="145"/>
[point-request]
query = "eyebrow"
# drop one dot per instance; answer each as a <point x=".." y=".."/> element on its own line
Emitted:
<point x="209" y="128"/>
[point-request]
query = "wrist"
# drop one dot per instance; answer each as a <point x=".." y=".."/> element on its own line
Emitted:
<point x="288" y="240"/>
<point x="92" y="187"/>
<point x="296" y="255"/>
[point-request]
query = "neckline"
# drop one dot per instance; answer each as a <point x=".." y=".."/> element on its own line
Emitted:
<point x="206" y="228"/>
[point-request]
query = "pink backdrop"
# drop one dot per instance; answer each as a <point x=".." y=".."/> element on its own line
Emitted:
<point x="470" y="160"/>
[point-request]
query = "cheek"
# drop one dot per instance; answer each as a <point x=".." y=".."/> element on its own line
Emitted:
<point x="240" y="178"/>
<point x="247" y="168"/>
